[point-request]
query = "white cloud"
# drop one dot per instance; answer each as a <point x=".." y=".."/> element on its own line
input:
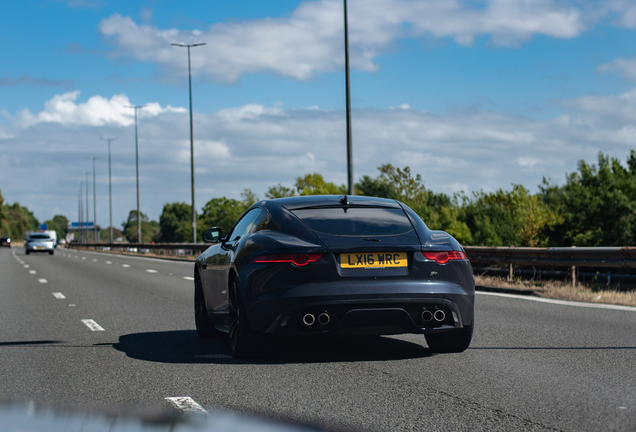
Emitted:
<point x="255" y="146"/>
<point x="622" y="66"/>
<point x="96" y="111"/>
<point x="310" y="40"/>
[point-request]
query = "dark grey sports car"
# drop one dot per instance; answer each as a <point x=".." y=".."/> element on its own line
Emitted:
<point x="333" y="265"/>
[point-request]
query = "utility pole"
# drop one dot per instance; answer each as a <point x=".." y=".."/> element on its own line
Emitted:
<point x="88" y="231"/>
<point x="94" y="202"/>
<point x="136" y="107"/>
<point x="348" y="109"/>
<point x="110" y="188"/>
<point x="194" y="212"/>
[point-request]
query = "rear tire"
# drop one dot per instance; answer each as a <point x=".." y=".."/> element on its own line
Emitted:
<point x="205" y="329"/>
<point x="50" y="252"/>
<point x="26" y="252"/>
<point x="243" y="341"/>
<point x="451" y="342"/>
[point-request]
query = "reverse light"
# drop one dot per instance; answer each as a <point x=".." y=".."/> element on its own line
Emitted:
<point x="299" y="260"/>
<point x="445" y="256"/>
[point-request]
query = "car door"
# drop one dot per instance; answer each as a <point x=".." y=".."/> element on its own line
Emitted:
<point x="219" y="262"/>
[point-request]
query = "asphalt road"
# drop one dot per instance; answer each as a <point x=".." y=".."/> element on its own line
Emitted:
<point x="532" y="365"/>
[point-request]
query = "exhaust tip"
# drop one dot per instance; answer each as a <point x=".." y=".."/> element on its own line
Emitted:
<point x="309" y="320"/>
<point x="324" y="318"/>
<point x="439" y="315"/>
<point x="427" y="316"/>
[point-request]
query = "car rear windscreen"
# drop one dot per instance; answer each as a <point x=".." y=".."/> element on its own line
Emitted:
<point x="356" y="221"/>
<point x="40" y="236"/>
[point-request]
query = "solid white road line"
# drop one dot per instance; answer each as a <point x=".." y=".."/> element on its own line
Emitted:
<point x="43" y="281"/>
<point x="151" y="271"/>
<point x="92" y="325"/>
<point x="188" y="278"/>
<point x="187" y="405"/>
<point x="59" y="295"/>
<point x="561" y="302"/>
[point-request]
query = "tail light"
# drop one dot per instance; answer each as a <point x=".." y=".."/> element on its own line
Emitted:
<point x="299" y="260"/>
<point x="445" y="256"/>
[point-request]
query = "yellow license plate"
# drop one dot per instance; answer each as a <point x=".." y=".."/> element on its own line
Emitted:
<point x="373" y="260"/>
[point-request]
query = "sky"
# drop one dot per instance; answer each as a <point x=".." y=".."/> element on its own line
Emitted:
<point x="471" y="94"/>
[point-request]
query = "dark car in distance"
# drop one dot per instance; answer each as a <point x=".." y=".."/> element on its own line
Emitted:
<point x="316" y="266"/>
<point x="5" y="242"/>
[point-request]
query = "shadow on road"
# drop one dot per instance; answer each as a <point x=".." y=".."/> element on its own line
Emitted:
<point x="184" y="346"/>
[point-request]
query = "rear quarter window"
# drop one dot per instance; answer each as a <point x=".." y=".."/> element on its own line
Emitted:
<point x="357" y="221"/>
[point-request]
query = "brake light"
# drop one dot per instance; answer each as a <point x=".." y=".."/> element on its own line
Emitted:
<point x="445" y="256"/>
<point x="296" y="259"/>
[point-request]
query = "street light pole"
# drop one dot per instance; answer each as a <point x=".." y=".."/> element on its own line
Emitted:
<point x="348" y="109"/>
<point x="194" y="212"/>
<point x="94" y="202"/>
<point x="79" y="214"/>
<point x="136" y="107"/>
<point x="88" y="231"/>
<point x="110" y="188"/>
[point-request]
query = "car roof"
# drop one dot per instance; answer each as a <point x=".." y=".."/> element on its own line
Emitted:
<point x="293" y="203"/>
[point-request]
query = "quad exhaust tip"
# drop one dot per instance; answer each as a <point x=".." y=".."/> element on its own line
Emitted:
<point x="324" y="318"/>
<point x="309" y="320"/>
<point x="427" y="316"/>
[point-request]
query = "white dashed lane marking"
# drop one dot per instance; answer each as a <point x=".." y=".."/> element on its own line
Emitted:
<point x="109" y="262"/>
<point x="151" y="271"/>
<point x="94" y="259"/>
<point x="26" y="266"/>
<point x="59" y="295"/>
<point x="188" y="278"/>
<point x="125" y="265"/>
<point x="43" y="281"/>
<point x="187" y="405"/>
<point x="83" y="257"/>
<point x="92" y="325"/>
<point x="32" y="272"/>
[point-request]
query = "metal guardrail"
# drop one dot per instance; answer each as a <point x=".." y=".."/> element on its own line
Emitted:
<point x="157" y="248"/>
<point x="613" y="257"/>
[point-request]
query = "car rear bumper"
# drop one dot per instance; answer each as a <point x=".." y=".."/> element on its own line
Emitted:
<point x="361" y="307"/>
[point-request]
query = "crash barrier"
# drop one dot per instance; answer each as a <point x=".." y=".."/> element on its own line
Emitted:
<point x="184" y="250"/>
<point x="571" y="257"/>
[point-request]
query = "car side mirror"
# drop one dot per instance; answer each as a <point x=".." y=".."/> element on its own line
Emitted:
<point x="212" y="235"/>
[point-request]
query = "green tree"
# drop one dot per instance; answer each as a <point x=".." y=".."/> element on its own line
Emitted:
<point x="514" y="218"/>
<point x="597" y="204"/>
<point x="16" y="220"/>
<point x="315" y="184"/>
<point x="280" y="191"/>
<point x="221" y="212"/>
<point x="176" y="223"/>
<point x="59" y="224"/>
<point x="149" y="229"/>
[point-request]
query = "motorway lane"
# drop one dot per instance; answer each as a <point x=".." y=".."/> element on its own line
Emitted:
<point x="531" y="366"/>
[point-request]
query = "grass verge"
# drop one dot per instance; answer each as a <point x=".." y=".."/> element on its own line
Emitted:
<point x="562" y="291"/>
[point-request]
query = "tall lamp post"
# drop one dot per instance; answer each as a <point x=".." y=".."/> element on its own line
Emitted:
<point x="88" y="231"/>
<point x="94" y="202"/>
<point x="110" y="188"/>
<point x="194" y="213"/>
<point x="79" y="213"/>
<point x="136" y="107"/>
<point x="348" y="88"/>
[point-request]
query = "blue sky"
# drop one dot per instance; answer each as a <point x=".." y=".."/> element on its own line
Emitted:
<point x="473" y="95"/>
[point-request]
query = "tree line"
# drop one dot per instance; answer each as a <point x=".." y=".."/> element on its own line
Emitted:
<point x="16" y="221"/>
<point x="595" y="207"/>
